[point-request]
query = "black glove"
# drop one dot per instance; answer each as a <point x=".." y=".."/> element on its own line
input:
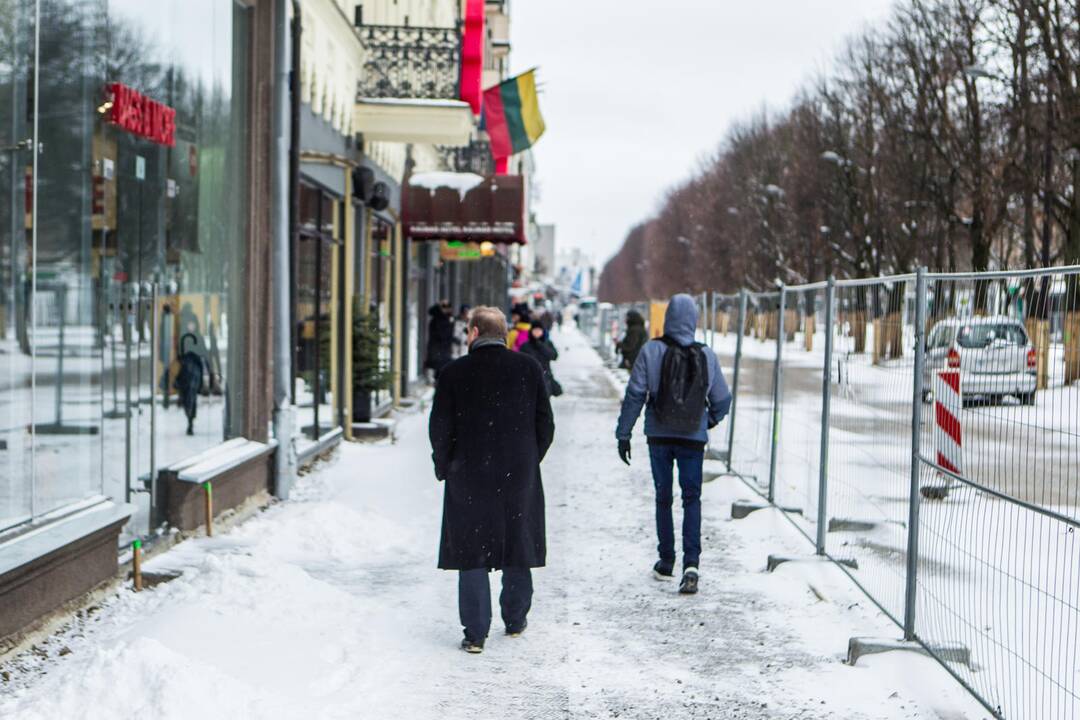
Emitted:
<point x="624" y="451"/>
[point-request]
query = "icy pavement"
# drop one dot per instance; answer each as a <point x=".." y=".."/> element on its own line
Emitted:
<point x="330" y="606"/>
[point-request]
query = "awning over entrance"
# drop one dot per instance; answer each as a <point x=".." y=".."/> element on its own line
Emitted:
<point x="465" y="207"/>
<point x="436" y="122"/>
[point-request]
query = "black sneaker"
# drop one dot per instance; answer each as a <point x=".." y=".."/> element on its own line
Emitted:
<point x="663" y="570"/>
<point x="688" y="586"/>
<point x="517" y="631"/>
<point x="472" y="647"/>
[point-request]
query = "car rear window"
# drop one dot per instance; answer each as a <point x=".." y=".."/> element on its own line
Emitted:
<point x="983" y="335"/>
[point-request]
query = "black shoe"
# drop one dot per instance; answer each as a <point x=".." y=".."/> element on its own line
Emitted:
<point x="663" y="570"/>
<point x="688" y="586"/>
<point x="472" y="647"/>
<point x="517" y="630"/>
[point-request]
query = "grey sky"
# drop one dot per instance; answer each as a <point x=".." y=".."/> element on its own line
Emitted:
<point x="636" y="91"/>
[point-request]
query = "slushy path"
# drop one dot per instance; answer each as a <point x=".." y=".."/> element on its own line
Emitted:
<point x="330" y="606"/>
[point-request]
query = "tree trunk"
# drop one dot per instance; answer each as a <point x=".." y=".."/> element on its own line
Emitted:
<point x="1071" y="303"/>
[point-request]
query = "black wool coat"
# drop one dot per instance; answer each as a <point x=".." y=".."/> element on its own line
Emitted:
<point x="440" y="340"/>
<point x="543" y="352"/>
<point x="491" y="425"/>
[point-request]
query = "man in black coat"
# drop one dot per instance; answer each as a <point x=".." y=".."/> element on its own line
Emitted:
<point x="490" y="427"/>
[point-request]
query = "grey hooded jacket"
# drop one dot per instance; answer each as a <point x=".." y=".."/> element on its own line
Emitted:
<point x="680" y="324"/>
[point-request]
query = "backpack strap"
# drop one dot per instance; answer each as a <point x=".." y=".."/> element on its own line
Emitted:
<point x="672" y="343"/>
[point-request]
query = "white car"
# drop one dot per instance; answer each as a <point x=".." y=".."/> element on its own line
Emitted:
<point x="994" y="356"/>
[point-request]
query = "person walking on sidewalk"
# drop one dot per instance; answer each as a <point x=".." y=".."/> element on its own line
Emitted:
<point x="440" y="340"/>
<point x="680" y="385"/>
<point x="634" y="339"/>
<point x="491" y="425"/>
<point x="461" y="332"/>
<point x="541" y="349"/>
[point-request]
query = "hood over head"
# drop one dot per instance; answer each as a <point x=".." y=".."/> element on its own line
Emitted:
<point x="680" y="320"/>
<point x="436" y="311"/>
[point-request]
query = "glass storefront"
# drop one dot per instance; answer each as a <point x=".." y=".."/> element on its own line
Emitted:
<point x="122" y="255"/>
<point x="318" y="312"/>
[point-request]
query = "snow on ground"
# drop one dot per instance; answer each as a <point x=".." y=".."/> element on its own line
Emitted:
<point x="330" y="606"/>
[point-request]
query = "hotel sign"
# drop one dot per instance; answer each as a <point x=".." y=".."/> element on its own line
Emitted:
<point x="491" y="212"/>
<point x="134" y="112"/>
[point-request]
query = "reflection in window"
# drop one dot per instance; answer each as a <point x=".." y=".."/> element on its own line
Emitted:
<point x="137" y="283"/>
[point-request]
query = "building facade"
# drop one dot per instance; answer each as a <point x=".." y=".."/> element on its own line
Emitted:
<point x="150" y="154"/>
<point x="132" y="246"/>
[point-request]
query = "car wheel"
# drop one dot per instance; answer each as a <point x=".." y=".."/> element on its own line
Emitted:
<point x="1027" y="398"/>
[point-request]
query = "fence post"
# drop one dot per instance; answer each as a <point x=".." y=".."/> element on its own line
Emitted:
<point x="778" y="379"/>
<point x="916" y="454"/>
<point x="735" y="376"/>
<point x="705" y="316"/>
<point x="826" y="398"/>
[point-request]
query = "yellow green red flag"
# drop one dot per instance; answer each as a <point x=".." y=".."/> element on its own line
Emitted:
<point x="512" y="115"/>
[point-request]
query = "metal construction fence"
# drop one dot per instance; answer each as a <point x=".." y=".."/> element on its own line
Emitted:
<point x="923" y="432"/>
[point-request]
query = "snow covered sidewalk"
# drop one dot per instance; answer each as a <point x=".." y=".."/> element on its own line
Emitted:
<point x="330" y="606"/>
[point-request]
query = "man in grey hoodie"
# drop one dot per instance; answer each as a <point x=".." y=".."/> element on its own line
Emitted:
<point x="669" y="446"/>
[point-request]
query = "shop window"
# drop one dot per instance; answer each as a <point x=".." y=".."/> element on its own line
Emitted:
<point x="317" y="312"/>
<point x="139" y="236"/>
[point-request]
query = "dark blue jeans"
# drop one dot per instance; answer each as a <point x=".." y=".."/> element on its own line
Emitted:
<point x="663" y="459"/>
<point x="474" y="600"/>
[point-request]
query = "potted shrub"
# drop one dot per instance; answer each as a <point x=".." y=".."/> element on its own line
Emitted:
<point x="371" y="373"/>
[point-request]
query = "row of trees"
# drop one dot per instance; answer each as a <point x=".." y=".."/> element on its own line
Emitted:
<point x="949" y="138"/>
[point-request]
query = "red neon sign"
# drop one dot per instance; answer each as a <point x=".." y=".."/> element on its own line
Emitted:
<point x="139" y="115"/>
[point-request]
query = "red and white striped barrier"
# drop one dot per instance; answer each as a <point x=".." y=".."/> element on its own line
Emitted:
<point x="948" y="404"/>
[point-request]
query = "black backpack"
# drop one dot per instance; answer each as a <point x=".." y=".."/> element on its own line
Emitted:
<point x="684" y="387"/>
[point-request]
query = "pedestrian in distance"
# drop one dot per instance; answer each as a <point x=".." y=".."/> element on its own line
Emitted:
<point x="633" y="340"/>
<point x="512" y="330"/>
<point x="491" y="425"/>
<point x="189" y="381"/>
<point x="519" y="333"/>
<point x="547" y="319"/>
<point x="679" y="383"/>
<point x="461" y="332"/>
<point x="440" y="340"/>
<point x="541" y="349"/>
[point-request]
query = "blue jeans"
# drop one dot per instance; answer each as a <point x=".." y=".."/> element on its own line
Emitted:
<point x="663" y="459"/>
<point x="474" y="600"/>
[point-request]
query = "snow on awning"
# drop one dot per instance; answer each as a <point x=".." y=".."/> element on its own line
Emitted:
<point x="462" y="182"/>
<point x="406" y="120"/>
<point x="465" y="207"/>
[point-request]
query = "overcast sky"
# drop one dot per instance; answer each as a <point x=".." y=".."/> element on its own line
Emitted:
<point x="635" y="92"/>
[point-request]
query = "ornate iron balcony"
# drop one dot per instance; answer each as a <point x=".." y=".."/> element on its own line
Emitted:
<point x="410" y="62"/>
<point x="475" y="158"/>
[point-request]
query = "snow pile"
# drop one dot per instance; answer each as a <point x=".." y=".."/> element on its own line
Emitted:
<point x="144" y="678"/>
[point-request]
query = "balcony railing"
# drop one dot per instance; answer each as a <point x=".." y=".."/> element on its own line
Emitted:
<point x="410" y="62"/>
<point x="475" y="158"/>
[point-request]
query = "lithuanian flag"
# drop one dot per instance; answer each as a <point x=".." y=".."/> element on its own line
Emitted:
<point x="512" y="115"/>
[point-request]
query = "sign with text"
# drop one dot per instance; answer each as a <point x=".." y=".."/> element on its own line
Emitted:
<point x="139" y="115"/>
<point x="456" y="250"/>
